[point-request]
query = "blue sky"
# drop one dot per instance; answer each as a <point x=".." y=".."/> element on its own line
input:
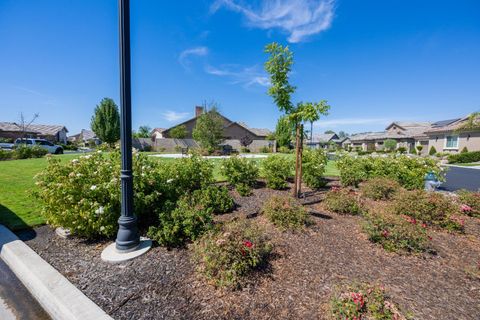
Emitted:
<point x="374" y="61"/>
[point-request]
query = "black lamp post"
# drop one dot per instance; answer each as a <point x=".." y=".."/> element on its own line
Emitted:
<point x="127" y="236"/>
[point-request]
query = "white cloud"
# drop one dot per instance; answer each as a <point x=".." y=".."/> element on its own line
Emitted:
<point x="197" y="51"/>
<point x="247" y="76"/>
<point x="350" y="121"/>
<point x="299" y="18"/>
<point x="172" y="116"/>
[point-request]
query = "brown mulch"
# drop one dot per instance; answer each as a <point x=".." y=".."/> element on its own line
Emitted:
<point x="306" y="267"/>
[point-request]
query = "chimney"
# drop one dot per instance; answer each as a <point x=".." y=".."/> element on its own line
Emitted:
<point x="198" y="111"/>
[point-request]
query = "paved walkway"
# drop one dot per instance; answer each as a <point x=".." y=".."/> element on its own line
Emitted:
<point x="462" y="178"/>
<point x="15" y="301"/>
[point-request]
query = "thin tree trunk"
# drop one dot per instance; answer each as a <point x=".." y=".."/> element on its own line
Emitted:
<point x="299" y="191"/>
<point x="297" y="159"/>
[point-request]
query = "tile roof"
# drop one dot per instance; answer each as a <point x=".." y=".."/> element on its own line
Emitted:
<point x="452" y="126"/>
<point x="44" y="129"/>
<point x="322" y="137"/>
<point x="261" y="132"/>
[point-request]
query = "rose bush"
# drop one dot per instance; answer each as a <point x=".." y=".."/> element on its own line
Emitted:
<point x="227" y="255"/>
<point x="313" y="167"/>
<point x="277" y="169"/>
<point x="285" y="212"/>
<point x="343" y="201"/>
<point x="469" y="202"/>
<point x="240" y="173"/>
<point x="379" y="188"/>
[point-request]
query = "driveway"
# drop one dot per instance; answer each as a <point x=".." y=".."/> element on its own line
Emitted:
<point x="462" y="178"/>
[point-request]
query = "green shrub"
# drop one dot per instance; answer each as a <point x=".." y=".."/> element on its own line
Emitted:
<point x="409" y="172"/>
<point x="464" y="157"/>
<point x="402" y="150"/>
<point x="396" y="233"/>
<point x="379" y="188"/>
<point x="464" y="150"/>
<point x="285" y="212"/>
<point x="277" y="169"/>
<point x="414" y="151"/>
<point x="265" y="149"/>
<point x="343" y="201"/>
<point x="187" y="221"/>
<point x="6" y="154"/>
<point x="284" y="149"/>
<point x="241" y="173"/>
<point x="390" y="144"/>
<point x="244" y="150"/>
<point x="363" y="302"/>
<point x="25" y="152"/>
<point x="215" y="198"/>
<point x="432" y="151"/>
<point x="470" y="202"/>
<point x="225" y="257"/>
<point x="419" y="148"/>
<point x="83" y="195"/>
<point x="430" y="208"/>
<point x="313" y="167"/>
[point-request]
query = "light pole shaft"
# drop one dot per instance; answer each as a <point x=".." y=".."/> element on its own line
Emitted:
<point x="127" y="236"/>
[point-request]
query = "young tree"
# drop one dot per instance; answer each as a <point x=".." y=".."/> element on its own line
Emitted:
<point x="178" y="132"/>
<point x="106" y="121"/>
<point x="284" y="132"/>
<point x="329" y="132"/>
<point x="208" y="130"/>
<point x="390" y="144"/>
<point x="342" y="134"/>
<point x="279" y="67"/>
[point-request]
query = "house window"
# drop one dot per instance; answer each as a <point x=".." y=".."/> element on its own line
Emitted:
<point x="451" y="142"/>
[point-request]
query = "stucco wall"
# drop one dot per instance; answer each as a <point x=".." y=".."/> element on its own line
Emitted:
<point x="470" y="140"/>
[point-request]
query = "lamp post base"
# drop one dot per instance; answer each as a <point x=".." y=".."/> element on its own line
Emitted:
<point x="112" y="255"/>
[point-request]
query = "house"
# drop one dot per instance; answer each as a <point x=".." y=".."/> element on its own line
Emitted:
<point x="323" y="140"/>
<point x="231" y="129"/>
<point x="54" y="133"/>
<point x="455" y="135"/>
<point x="233" y="132"/>
<point x="86" y="137"/>
<point x="407" y="135"/>
<point x="157" y="133"/>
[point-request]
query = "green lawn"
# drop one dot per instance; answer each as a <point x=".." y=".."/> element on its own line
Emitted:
<point x="19" y="209"/>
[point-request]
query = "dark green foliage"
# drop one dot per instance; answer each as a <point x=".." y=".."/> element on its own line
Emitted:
<point x="379" y="188"/>
<point x="106" y="121"/>
<point x="25" y="152"/>
<point x="464" y="157"/>
<point x="208" y="131"/>
<point x="240" y="173"/>
<point x="432" y="151"/>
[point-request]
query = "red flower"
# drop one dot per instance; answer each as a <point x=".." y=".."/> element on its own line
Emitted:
<point x="248" y="244"/>
<point x="385" y="233"/>
<point x="465" y="208"/>
<point x="424" y="225"/>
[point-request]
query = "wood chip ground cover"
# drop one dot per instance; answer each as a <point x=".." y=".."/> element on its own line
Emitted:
<point x="304" y="271"/>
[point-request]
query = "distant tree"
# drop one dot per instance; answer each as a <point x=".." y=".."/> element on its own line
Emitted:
<point x="329" y="132"/>
<point x="106" y="121"/>
<point x="390" y="144"/>
<point x="284" y="132"/>
<point x="25" y="125"/>
<point x="178" y="132"/>
<point x="144" y="131"/>
<point x="208" y="131"/>
<point x="342" y="134"/>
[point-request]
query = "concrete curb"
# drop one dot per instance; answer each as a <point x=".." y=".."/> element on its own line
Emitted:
<point x="60" y="299"/>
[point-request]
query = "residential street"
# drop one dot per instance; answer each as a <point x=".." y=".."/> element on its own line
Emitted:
<point x="462" y="178"/>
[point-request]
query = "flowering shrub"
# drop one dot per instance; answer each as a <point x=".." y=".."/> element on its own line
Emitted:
<point x="215" y="198"/>
<point x="344" y="201"/>
<point x="277" y="169"/>
<point x="83" y="195"/>
<point x="313" y="167"/>
<point x="190" y="173"/>
<point x="285" y="213"/>
<point x="397" y="233"/>
<point x="379" y="188"/>
<point x="186" y="220"/>
<point x="409" y="172"/>
<point x="227" y="255"/>
<point x="241" y="173"/>
<point x="364" y="302"/>
<point x="470" y="202"/>
<point x="428" y="207"/>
